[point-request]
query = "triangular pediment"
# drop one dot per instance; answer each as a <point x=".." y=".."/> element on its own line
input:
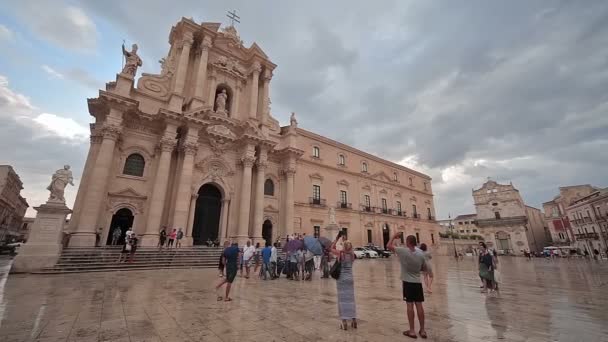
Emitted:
<point x="255" y="49"/>
<point x="382" y="176"/>
<point x="270" y="208"/>
<point x="127" y="192"/>
<point x="316" y="176"/>
<point x="367" y="187"/>
<point x="343" y="182"/>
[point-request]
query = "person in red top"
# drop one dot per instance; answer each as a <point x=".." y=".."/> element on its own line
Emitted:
<point x="172" y="237"/>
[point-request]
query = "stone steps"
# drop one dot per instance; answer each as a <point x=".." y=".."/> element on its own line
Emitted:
<point x="102" y="259"/>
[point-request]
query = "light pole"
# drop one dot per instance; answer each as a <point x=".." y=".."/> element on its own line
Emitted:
<point x="452" y="233"/>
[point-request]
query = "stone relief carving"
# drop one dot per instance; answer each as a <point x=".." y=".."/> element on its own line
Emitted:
<point x="220" y="138"/>
<point x="230" y="66"/>
<point x="158" y="85"/>
<point x="214" y="167"/>
<point x="231" y="33"/>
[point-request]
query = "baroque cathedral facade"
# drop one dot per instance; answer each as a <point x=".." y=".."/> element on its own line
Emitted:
<point x="196" y="147"/>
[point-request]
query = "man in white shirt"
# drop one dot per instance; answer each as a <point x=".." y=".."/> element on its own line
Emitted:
<point x="248" y="252"/>
<point x="273" y="262"/>
<point x="412" y="262"/>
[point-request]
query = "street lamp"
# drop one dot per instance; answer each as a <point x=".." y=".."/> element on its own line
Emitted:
<point x="452" y="233"/>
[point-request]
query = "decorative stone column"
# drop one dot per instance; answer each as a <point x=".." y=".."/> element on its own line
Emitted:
<point x="255" y="79"/>
<point x="245" y="202"/>
<point x="212" y="85"/>
<point x="176" y="101"/>
<point x="84" y="180"/>
<point x="289" y="202"/>
<point x="266" y="77"/>
<point x="159" y="191"/>
<point x="258" y="214"/>
<point x="201" y="76"/>
<point x="97" y="189"/>
<point x="224" y="220"/>
<point x="184" y="192"/>
<point x="188" y="231"/>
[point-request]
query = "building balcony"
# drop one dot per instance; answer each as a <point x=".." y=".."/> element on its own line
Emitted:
<point x="416" y="216"/>
<point x="587" y="236"/>
<point x="366" y="208"/>
<point x="431" y="218"/>
<point x="385" y="210"/>
<point x="587" y="219"/>
<point x="503" y="221"/>
<point x="399" y="213"/>
<point x="343" y="205"/>
<point x="317" y="201"/>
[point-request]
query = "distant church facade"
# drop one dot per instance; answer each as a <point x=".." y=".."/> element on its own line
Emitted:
<point x="196" y="147"/>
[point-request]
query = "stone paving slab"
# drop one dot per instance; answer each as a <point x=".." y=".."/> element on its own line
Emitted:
<point x="540" y="300"/>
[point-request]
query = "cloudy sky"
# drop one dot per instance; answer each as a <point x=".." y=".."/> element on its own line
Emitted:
<point x="462" y="90"/>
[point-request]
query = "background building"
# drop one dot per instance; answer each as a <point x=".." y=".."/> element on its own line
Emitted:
<point x="12" y="205"/>
<point x="555" y="213"/>
<point x="506" y="222"/>
<point x="589" y="219"/>
<point x="196" y="147"/>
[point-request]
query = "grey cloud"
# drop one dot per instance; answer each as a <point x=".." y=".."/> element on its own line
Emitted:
<point x="450" y="82"/>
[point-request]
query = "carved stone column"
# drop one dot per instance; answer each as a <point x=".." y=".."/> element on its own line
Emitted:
<point x="188" y="231"/>
<point x="159" y="192"/>
<point x="245" y="200"/>
<point x="224" y="221"/>
<point x="84" y="180"/>
<point x="201" y="76"/>
<point x="182" y="200"/>
<point x="289" y="201"/>
<point x="266" y="77"/>
<point x="84" y="235"/>
<point x="212" y="85"/>
<point x="258" y="214"/>
<point x="182" y="67"/>
<point x="255" y="79"/>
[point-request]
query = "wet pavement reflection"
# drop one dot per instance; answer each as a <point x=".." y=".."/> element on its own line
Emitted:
<point x="540" y="300"/>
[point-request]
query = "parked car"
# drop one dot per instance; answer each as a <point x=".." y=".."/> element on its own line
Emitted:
<point x="359" y="253"/>
<point x="381" y="252"/>
<point x="367" y="253"/>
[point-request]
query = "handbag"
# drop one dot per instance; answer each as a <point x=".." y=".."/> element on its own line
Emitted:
<point x="336" y="268"/>
<point x="497" y="276"/>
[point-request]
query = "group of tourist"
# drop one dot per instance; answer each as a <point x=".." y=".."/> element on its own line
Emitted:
<point x="300" y="265"/>
<point x="175" y="236"/>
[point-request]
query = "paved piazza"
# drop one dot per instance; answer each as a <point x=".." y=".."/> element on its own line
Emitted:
<point x="541" y="300"/>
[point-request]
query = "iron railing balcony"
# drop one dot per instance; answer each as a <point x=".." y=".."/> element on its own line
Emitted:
<point x="587" y="236"/>
<point x="344" y="205"/>
<point x="416" y="215"/>
<point x="431" y="218"/>
<point x="316" y="201"/>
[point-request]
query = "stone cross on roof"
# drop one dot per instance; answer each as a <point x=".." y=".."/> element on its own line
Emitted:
<point x="233" y="17"/>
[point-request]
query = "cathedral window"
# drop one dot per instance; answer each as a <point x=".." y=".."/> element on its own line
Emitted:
<point x="269" y="187"/>
<point x="364" y="167"/>
<point x="316" y="152"/>
<point x="341" y="160"/>
<point x="134" y="165"/>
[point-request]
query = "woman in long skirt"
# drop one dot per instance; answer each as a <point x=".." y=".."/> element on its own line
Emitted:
<point x="345" y="285"/>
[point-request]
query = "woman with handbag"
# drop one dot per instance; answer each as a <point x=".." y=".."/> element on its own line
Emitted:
<point x="342" y="271"/>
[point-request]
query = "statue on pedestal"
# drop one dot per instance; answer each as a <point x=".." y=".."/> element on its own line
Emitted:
<point x="60" y="179"/>
<point x="132" y="60"/>
<point x="220" y="101"/>
<point x="292" y="120"/>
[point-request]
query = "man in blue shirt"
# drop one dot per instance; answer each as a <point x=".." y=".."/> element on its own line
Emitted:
<point x="266" y="253"/>
<point x="231" y="256"/>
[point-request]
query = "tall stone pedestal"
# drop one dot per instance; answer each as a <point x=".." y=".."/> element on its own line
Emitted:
<point x="43" y="247"/>
<point x="332" y="231"/>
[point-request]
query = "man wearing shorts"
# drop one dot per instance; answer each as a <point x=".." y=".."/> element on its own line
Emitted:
<point x="231" y="257"/>
<point x="248" y="253"/>
<point x="412" y="263"/>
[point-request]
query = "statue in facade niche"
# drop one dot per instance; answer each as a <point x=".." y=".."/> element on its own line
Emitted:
<point x="332" y="215"/>
<point x="220" y="101"/>
<point x="132" y="60"/>
<point x="60" y="179"/>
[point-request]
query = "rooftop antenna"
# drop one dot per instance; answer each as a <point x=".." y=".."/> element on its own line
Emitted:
<point x="233" y="17"/>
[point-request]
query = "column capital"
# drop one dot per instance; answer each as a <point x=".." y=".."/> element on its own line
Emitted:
<point x="289" y="172"/>
<point x="247" y="161"/>
<point x="267" y="75"/>
<point x="166" y="144"/>
<point x="256" y="67"/>
<point x="261" y="164"/>
<point x="111" y="131"/>
<point x="206" y="44"/>
<point x="187" y="40"/>
<point x="189" y="147"/>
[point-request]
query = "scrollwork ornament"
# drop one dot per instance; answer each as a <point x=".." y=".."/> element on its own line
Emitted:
<point x="190" y="148"/>
<point x="248" y="161"/>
